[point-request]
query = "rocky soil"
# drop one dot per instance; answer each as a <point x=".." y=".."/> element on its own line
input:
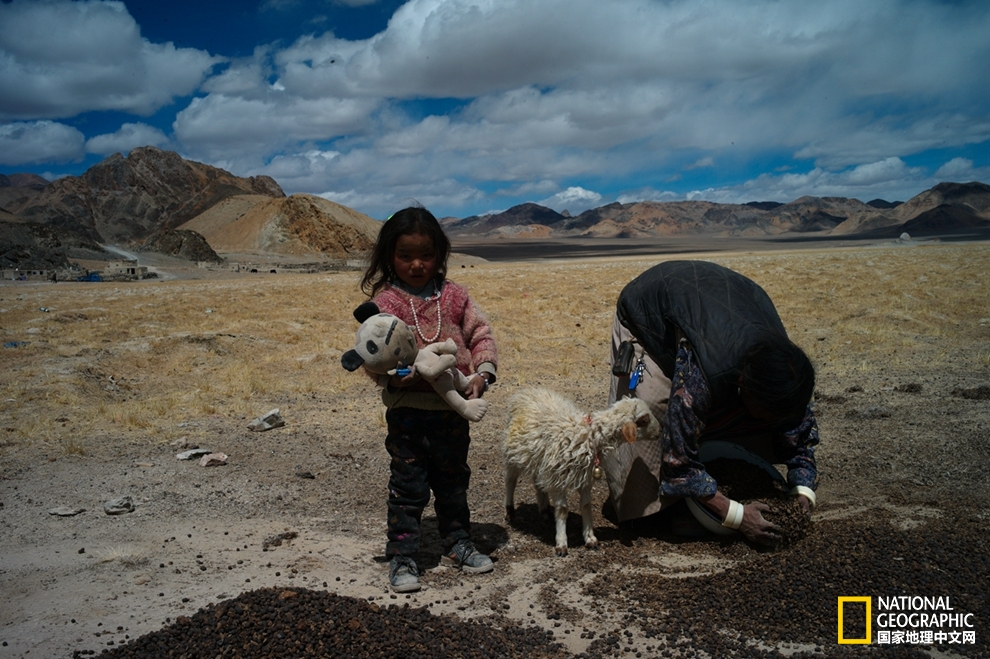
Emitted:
<point x="280" y="552"/>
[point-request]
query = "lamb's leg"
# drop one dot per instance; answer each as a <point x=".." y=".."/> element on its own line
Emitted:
<point x="587" y="523"/>
<point x="543" y="502"/>
<point x="560" y="513"/>
<point x="511" y="478"/>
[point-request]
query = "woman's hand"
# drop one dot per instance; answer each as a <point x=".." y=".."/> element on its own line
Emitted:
<point x="755" y="527"/>
<point x="477" y="386"/>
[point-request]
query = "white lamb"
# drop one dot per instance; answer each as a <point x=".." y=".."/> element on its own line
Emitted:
<point x="556" y="444"/>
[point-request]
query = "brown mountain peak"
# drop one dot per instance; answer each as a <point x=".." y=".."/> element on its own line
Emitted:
<point x="125" y="200"/>
<point x="301" y="224"/>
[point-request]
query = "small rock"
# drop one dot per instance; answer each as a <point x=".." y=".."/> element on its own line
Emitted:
<point x="213" y="460"/>
<point x="276" y="541"/>
<point x="66" y="511"/>
<point x="305" y="474"/>
<point x="193" y="453"/>
<point x="266" y="422"/>
<point x="119" y="506"/>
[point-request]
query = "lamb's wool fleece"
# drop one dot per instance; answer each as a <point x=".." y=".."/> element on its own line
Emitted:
<point x="552" y="441"/>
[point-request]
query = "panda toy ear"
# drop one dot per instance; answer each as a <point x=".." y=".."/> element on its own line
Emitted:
<point x="365" y="311"/>
<point x="351" y="360"/>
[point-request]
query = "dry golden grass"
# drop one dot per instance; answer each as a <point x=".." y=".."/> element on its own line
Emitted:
<point x="150" y="360"/>
<point x="101" y="390"/>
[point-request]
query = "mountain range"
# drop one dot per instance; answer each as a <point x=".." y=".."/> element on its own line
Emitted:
<point x="945" y="208"/>
<point x="156" y="200"/>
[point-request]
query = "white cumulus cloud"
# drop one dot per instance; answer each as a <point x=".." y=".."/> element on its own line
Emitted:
<point x="707" y="161"/>
<point x="574" y="199"/>
<point x="130" y="136"/>
<point x="219" y="126"/>
<point x="957" y="169"/>
<point x="560" y="89"/>
<point x="890" y="179"/>
<point x="59" y="58"/>
<point x="29" y="142"/>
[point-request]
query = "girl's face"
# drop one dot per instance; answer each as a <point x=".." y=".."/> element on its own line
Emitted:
<point x="415" y="260"/>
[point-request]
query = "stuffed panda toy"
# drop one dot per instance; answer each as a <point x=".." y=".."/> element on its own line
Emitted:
<point x="386" y="346"/>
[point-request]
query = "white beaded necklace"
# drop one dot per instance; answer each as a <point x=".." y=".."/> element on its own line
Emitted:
<point x="419" y="330"/>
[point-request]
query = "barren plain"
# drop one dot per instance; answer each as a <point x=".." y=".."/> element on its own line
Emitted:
<point x="103" y="384"/>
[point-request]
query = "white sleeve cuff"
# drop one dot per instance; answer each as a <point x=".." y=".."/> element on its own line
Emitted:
<point x="808" y="493"/>
<point x="733" y="518"/>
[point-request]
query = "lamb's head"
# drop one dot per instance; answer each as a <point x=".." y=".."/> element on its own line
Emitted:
<point x="629" y="419"/>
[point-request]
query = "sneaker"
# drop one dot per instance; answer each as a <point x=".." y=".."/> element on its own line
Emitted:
<point x="403" y="575"/>
<point x="465" y="557"/>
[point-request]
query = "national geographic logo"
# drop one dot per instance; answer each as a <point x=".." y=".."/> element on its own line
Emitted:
<point x="868" y="618"/>
<point x="903" y="620"/>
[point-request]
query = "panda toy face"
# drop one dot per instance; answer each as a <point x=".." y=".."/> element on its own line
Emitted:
<point x="382" y="342"/>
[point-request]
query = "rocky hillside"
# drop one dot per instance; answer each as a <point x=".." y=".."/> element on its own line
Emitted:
<point x="187" y="245"/>
<point x="299" y="225"/>
<point x="31" y="181"/>
<point x="17" y="190"/>
<point x="142" y="200"/>
<point x="974" y="196"/>
<point x="29" y="246"/>
<point x="946" y="208"/>
<point x="125" y="200"/>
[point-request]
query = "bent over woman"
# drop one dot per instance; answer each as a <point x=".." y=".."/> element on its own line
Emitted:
<point x="705" y="348"/>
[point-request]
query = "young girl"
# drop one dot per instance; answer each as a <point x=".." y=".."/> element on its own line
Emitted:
<point x="427" y="440"/>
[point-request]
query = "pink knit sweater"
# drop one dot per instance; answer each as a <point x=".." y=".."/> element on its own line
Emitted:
<point x="460" y="320"/>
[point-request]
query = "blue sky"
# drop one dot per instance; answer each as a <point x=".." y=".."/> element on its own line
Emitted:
<point x="473" y="106"/>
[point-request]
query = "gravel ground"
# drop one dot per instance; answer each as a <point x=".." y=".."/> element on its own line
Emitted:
<point x="280" y="552"/>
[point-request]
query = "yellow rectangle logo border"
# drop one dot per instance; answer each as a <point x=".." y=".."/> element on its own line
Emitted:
<point x="869" y="621"/>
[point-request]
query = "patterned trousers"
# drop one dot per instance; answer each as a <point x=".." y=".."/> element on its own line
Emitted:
<point x="429" y="451"/>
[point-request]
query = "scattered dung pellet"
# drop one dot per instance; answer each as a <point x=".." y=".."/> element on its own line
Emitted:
<point x="741" y="612"/>
<point x="746" y="483"/>
<point x="274" y="623"/>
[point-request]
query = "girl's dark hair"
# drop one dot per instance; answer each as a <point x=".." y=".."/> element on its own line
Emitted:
<point x="409" y="221"/>
<point x="778" y="377"/>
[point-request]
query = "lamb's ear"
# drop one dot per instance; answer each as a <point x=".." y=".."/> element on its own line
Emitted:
<point x="351" y="360"/>
<point x="643" y="420"/>
<point x="629" y="432"/>
<point x="365" y="311"/>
